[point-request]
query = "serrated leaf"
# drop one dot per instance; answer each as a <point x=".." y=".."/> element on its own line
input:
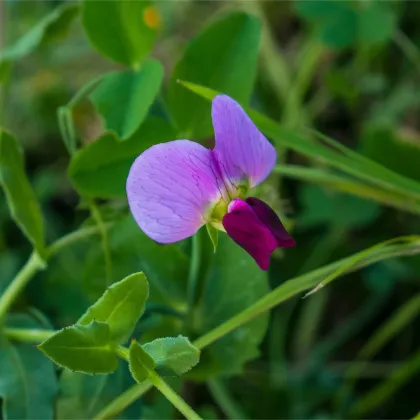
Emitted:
<point x="100" y="169"/>
<point x="213" y="235"/>
<point x="173" y="355"/>
<point x="81" y="348"/>
<point x="123" y="98"/>
<point x="228" y="64"/>
<point x="120" y="307"/>
<point x="28" y="382"/>
<point x="123" y="31"/>
<point x="54" y="25"/>
<point x="20" y="196"/>
<point x="140" y="363"/>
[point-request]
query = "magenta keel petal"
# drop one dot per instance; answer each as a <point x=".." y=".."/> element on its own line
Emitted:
<point x="269" y="217"/>
<point x="256" y="230"/>
<point x="169" y="187"/>
<point x="246" y="229"/>
<point x="244" y="154"/>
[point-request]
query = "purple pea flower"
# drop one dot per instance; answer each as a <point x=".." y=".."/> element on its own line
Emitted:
<point x="177" y="187"/>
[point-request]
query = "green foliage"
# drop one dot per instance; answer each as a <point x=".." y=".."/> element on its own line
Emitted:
<point x="232" y="283"/>
<point x="53" y="26"/>
<point x="123" y="99"/>
<point x="140" y="362"/>
<point x="100" y="169"/>
<point x="173" y="356"/>
<point x="228" y="65"/>
<point x="28" y="383"/>
<point x="21" y="199"/>
<point x="120" y="307"/>
<point x="81" y="348"/>
<point x="342" y="24"/>
<point x="123" y="31"/>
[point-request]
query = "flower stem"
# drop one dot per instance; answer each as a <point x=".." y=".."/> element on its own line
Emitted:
<point x="173" y="397"/>
<point x="34" y="264"/>
<point x="193" y="275"/>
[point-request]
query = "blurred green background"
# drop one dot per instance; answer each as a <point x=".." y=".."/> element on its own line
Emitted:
<point x="351" y="70"/>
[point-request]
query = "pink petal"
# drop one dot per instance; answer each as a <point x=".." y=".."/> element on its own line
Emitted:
<point x="169" y="188"/>
<point x="244" y="154"/>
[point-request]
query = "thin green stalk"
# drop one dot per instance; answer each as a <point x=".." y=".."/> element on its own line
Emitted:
<point x="307" y="66"/>
<point x="123" y="400"/>
<point x="408" y="47"/>
<point x="32" y="266"/>
<point x="96" y="214"/>
<point x="173" y="397"/>
<point x="193" y="276"/>
<point x="224" y="400"/>
<point x="28" y="335"/>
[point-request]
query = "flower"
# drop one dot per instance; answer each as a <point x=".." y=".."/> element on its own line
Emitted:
<point x="175" y="188"/>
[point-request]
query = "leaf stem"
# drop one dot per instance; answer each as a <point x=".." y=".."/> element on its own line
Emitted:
<point x="34" y="264"/>
<point x="96" y="214"/>
<point x="173" y="397"/>
<point x="193" y="275"/>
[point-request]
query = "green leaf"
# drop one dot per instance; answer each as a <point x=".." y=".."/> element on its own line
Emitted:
<point x="228" y="65"/>
<point x="28" y="382"/>
<point x="136" y="90"/>
<point x="87" y="349"/>
<point x="376" y="23"/>
<point x="140" y="363"/>
<point x="54" y="25"/>
<point x="233" y="283"/>
<point x="120" y="307"/>
<point x="100" y="169"/>
<point x="21" y="199"/>
<point x="173" y="355"/>
<point x="123" y="31"/>
<point x="213" y="235"/>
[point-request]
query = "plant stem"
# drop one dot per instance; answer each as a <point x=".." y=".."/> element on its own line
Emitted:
<point x="28" y="335"/>
<point x="22" y="278"/>
<point x="123" y="400"/>
<point x="96" y="214"/>
<point x="193" y="276"/>
<point x="173" y="397"/>
<point x="224" y="400"/>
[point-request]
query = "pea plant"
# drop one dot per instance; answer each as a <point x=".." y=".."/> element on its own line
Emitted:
<point x="180" y="237"/>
